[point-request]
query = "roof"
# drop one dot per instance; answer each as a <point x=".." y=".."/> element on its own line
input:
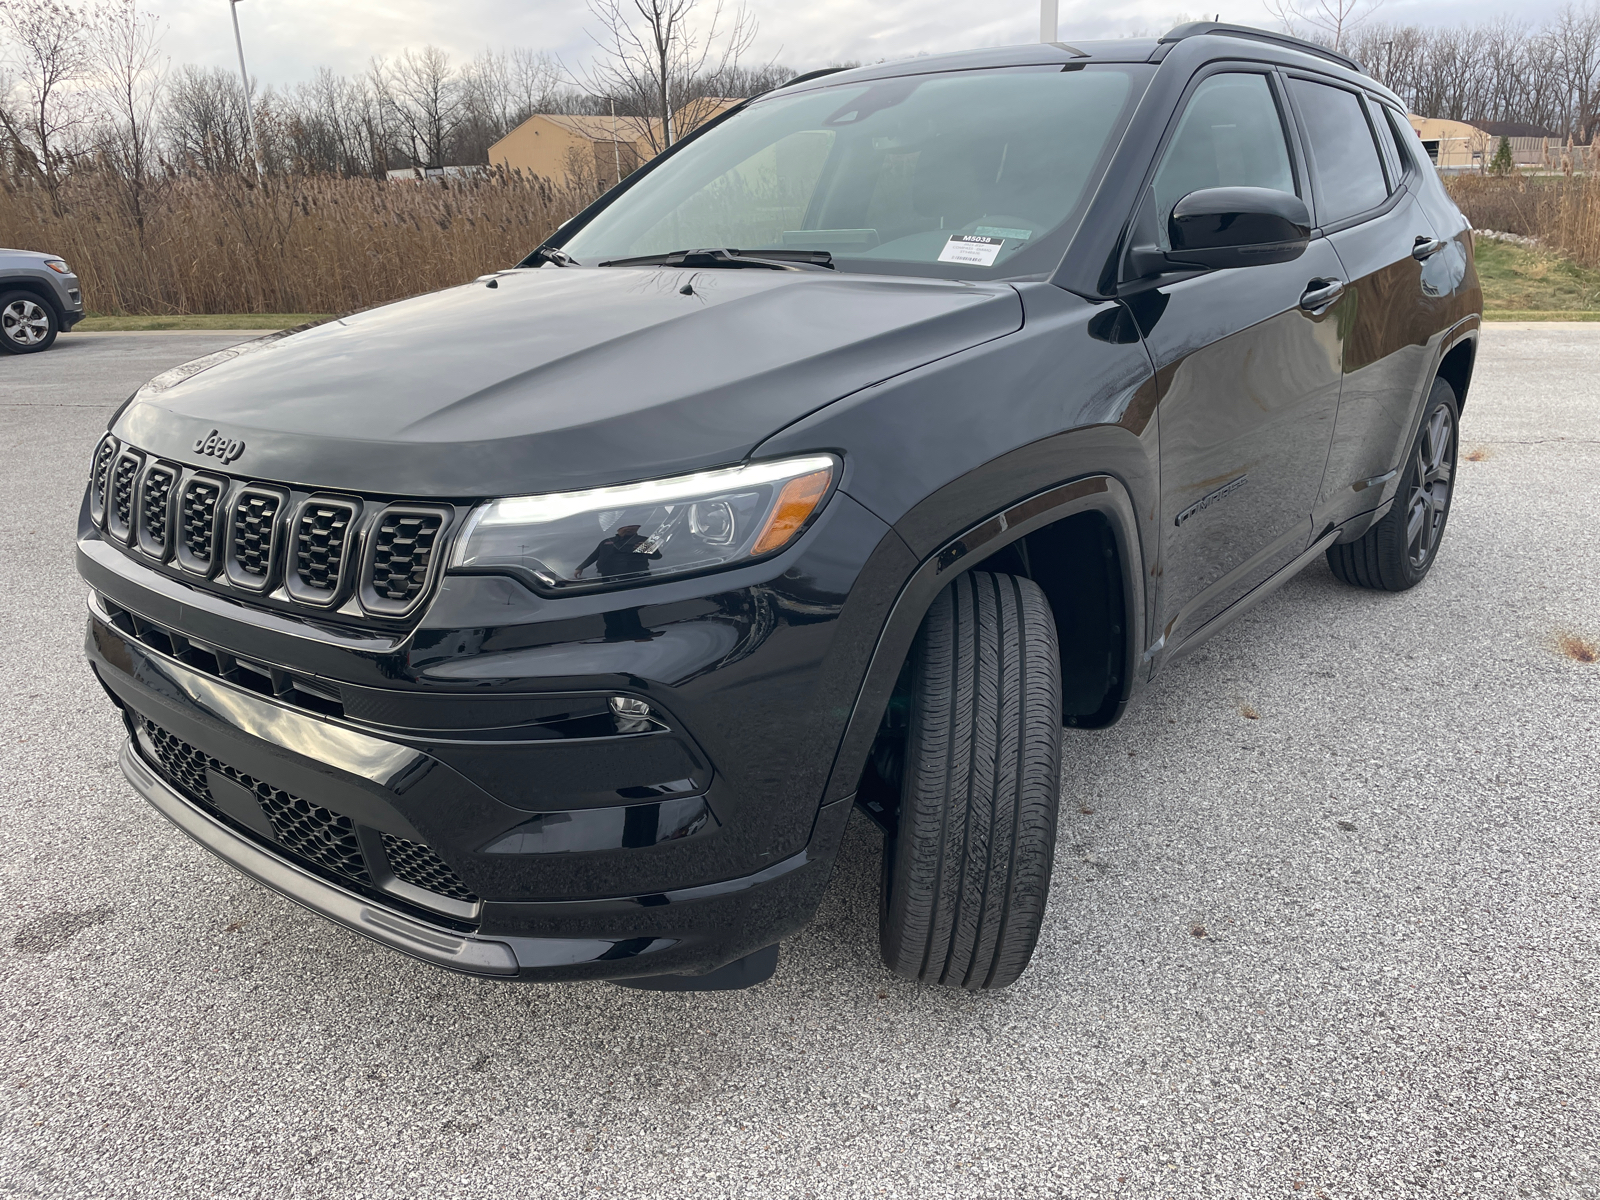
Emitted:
<point x="1515" y="129"/>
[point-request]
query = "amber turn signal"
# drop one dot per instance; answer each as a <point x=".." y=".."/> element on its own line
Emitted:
<point x="796" y="503"/>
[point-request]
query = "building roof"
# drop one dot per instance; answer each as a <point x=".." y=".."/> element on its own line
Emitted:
<point x="1515" y="129"/>
<point x="596" y="129"/>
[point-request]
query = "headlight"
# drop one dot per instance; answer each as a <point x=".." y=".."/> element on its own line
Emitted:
<point x="613" y="536"/>
<point x="59" y="267"/>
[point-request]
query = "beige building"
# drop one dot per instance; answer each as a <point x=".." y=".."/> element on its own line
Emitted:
<point x="566" y="147"/>
<point x="1454" y="145"/>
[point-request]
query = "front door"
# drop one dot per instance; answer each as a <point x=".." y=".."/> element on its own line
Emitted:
<point x="1248" y="367"/>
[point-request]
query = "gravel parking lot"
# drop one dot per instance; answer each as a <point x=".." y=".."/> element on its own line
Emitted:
<point x="1324" y="921"/>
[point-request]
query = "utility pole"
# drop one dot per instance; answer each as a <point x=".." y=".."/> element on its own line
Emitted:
<point x="1049" y="20"/>
<point x="249" y="104"/>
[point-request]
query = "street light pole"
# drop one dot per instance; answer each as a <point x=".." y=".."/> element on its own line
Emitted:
<point x="1049" y="20"/>
<point x="244" y="75"/>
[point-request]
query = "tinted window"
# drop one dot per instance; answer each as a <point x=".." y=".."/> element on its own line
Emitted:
<point x="1230" y="136"/>
<point x="1404" y="139"/>
<point x="1349" y="173"/>
<point x="955" y="173"/>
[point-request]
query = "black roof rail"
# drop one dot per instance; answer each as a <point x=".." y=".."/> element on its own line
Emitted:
<point x="810" y="75"/>
<point x="1196" y="28"/>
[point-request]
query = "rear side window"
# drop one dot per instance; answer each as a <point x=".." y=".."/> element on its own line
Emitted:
<point x="1230" y="136"/>
<point x="1348" y="170"/>
<point x="1405" y="139"/>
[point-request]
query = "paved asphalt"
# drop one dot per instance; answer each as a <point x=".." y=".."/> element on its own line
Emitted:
<point x="1345" y="948"/>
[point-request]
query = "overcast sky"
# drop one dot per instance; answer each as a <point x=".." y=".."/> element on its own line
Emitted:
<point x="285" y="40"/>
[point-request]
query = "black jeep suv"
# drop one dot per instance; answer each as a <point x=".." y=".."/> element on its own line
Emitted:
<point x="550" y="626"/>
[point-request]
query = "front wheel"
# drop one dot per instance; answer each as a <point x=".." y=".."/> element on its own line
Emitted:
<point x="1396" y="553"/>
<point x="968" y="867"/>
<point x="27" y="324"/>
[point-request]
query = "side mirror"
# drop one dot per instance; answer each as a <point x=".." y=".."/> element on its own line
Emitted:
<point x="1227" y="227"/>
<point x="1238" y="227"/>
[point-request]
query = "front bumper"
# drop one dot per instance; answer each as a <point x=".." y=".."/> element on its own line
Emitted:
<point x="709" y="924"/>
<point x="441" y="947"/>
<point x="603" y="881"/>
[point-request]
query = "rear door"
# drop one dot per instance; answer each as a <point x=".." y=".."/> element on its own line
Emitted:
<point x="1247" y="362"/>
<point x="1366" y="201"/>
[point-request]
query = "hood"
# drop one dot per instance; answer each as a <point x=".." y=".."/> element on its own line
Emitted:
<point x="550" y="379"/>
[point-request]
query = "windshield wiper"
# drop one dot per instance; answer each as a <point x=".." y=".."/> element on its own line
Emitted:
<point x="551" y="255"/>
<point x="772" y="260"/>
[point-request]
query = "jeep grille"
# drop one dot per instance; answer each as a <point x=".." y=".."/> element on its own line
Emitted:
<point x="359" y="558"/>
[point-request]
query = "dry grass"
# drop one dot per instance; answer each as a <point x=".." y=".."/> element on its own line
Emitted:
<point x="1578" y="649"/>
<point x="1563" y="213"/>
<point x="296" y="245"/>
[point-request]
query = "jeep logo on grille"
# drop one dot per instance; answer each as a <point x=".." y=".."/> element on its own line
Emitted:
<point x="214" y="444"/>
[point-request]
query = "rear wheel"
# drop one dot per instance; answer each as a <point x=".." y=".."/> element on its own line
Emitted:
<point x="1396" y="553"/>
<point x="27" y="324"/>
<point x="968" y="868"/>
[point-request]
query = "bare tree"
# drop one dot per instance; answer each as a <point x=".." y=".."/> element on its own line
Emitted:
<point x="423" y="94"/>
<point x="44" y="111"/>
<point x="204" y="120"/>
<point x="1332" y="21"/>
<point x="660" y="66"/>
<point x="125" y="50"/>
<point x="535" y="83"/>
<point x="1575" y="41"/>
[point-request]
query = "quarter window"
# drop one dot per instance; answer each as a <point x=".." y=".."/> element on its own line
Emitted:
<point x="1230" y="136"/>
<point x="1404" y="138"/>
<point x="1349" y="171"/>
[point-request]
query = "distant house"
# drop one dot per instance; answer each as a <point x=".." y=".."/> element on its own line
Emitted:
<point x="1459" y="146"/>
<point x="561" y="146"/>
<point x="1454" y="145"/>
<point x="569" y="146"/>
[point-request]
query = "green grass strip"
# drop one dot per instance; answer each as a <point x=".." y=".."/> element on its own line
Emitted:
<point x="221" y="321"/>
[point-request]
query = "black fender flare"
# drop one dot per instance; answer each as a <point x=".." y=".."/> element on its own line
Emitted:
<point x="1088" y="493"/>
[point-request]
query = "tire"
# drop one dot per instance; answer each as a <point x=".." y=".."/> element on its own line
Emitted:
<point x="968" y="868"/>
<point x="27" y="324"/>
<point x="1397" y="552"/>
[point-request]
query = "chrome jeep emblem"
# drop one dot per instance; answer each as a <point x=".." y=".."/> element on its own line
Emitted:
<point x="214" y="444"/>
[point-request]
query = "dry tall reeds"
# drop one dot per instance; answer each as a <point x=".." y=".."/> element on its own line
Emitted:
<point x="224" y="244"/>
<point x="1563" y="212"/>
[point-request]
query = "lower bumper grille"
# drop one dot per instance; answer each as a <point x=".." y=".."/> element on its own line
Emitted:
<point x="306" y="832"/>
<point x="419" y="866"/>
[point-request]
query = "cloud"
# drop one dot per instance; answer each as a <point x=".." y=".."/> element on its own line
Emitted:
<point x="286" y="40"/>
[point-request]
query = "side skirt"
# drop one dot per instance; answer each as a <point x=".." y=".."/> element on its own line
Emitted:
<point x="1244" y="603"/>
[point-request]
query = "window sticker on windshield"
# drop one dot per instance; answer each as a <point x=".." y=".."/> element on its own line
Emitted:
<point x="1021" y="235"/>
<point x="971" y="248"/>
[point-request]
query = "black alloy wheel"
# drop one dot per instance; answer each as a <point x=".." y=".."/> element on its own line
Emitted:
<point x="1397" y="552"/>
<point x="967" y="868"/>
<point x="1428" y="500"/>
<point x="27" y="324"/>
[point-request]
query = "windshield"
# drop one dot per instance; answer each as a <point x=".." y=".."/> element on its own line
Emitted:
<point x="968" y="174"/>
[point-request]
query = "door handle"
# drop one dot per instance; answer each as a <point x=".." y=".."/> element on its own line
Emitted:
<point x="1320" y="293"/>
<point x="1426" y="247"/>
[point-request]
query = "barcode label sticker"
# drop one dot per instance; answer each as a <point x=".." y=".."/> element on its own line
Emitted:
<point x="971" y="248"/>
